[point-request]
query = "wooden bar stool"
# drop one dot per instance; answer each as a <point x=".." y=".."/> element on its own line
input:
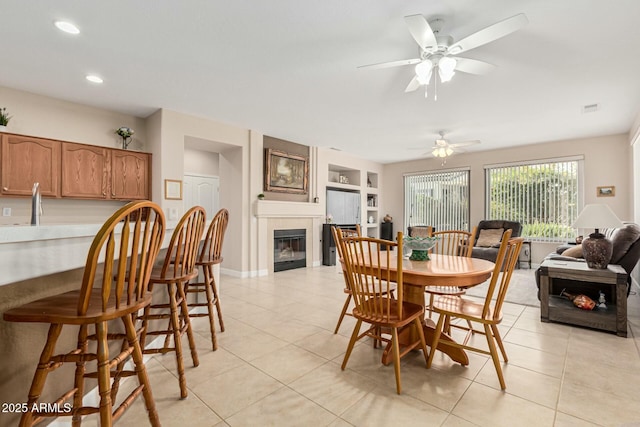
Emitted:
<point x="176" y="270"/>
<point x="210" y="255"/>
<point x="110" y="290"/>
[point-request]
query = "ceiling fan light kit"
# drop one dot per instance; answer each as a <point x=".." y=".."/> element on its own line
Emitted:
<point x="443" y="148"/>
<point x="437" y="50"/>
<point x="442" y="151"/>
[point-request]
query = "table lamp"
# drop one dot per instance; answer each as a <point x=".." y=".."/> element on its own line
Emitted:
<point x="597" y="249"/>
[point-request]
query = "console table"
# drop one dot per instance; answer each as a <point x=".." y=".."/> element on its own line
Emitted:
<point x="578" y="278"/>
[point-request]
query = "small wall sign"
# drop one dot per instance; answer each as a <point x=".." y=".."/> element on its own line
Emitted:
<point x="172" y="189"/>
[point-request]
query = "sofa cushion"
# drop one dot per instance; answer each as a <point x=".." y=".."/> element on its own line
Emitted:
<point x="420" y="231"/>
<point x="489" y="237"/>
<point x="573" y="251"/>
<point x="622" y="240"/>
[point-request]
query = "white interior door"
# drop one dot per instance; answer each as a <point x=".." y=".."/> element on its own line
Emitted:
<point x="202" y="190"/>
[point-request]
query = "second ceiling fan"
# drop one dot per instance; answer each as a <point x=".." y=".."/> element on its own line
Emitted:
<point x="439" y="52"/>
<point x="443" y="148"/>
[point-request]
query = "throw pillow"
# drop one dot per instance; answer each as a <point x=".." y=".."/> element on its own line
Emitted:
<point x="418" y="231"/>
<point x="622" y="240"/>
<point x="574" y="251"/>
<point x="489" y="237"/>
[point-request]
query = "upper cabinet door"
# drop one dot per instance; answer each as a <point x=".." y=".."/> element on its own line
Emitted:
<point x="85" y="170"/>
<point x="130" y="175"/>
<point x="26" y="160"/>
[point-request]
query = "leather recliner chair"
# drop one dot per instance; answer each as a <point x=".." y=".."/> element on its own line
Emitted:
<point x="491" y="253"/>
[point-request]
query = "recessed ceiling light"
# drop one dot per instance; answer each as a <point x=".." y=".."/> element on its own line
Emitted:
<point x="67" y="27"/>
<point x="94" y="79"/>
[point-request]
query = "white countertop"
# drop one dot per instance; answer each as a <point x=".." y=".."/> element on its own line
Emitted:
<point x="32" y="251"/>
<point x="28" y="233"/>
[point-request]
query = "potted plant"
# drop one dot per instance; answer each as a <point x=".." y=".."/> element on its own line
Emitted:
<point x="4" y="119"/>
<point x="260" y="196"/>
<point x="125" y="133"/>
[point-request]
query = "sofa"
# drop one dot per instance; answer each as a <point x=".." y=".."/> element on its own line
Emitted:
<point x="626" y="253"/>
<point x="489" y="235"/>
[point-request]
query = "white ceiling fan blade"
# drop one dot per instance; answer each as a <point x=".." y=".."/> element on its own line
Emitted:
<point x="464" y="143"/>
<point x="392" y="64"/>
<point x="421" y="31"/>
<point x="473" y="66"/>
<point x="489" y="34"/>
<point x="413" y="85"/>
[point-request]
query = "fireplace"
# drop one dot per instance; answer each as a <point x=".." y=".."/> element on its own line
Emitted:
<point x="289" y="249"/>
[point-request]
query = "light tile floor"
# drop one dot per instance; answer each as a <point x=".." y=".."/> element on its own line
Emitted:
<point x="278" y="364"/>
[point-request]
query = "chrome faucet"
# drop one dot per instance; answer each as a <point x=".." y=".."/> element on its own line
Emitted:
<point x="36" y="204"/>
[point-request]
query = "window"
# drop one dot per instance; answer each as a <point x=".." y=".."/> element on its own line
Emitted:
<point x="545" y="197"/>
<point x="439" y="199"/>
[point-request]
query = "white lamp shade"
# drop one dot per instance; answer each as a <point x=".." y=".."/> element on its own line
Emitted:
<point x="423" y="72"/>
<point x="597" y="216"/>
<point x="446" y="68"/>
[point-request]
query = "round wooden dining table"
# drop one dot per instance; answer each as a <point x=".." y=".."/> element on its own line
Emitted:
<point x="439" y="270"/>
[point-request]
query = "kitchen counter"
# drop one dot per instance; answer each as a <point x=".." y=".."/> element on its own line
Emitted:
<point x="33" y="251"/>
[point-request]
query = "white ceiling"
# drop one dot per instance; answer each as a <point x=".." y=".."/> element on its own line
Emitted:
<point x="288" y="68"/>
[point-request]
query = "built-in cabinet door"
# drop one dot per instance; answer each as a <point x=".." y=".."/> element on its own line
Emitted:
<point x="26" y="160"/>
<point x="129" y="175"/>
<point x="85" y="170"/>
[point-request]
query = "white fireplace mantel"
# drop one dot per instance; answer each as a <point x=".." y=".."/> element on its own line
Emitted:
<point x="282" y="209"/>
<point x="275" y="214"/>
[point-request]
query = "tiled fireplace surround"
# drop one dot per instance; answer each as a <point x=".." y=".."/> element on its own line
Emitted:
<point x="280" y="215"/>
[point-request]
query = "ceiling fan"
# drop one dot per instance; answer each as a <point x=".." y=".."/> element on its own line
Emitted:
<point x="443" y="148"/>
<point x="439" y="52"/>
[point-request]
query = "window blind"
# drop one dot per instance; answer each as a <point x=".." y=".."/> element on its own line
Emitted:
<point x="544" y="197"/>
<point x="439" y="199"/>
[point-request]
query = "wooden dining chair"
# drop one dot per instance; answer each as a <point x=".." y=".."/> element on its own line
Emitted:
<point x="210" y="255"/>
<point x="347" y="285"/>
<point x="178" y="267"/>
<point x="111" y="290"/>
<point x="487" y="313"/>
<point x="369" y="267"/>
<point x="450" y="242"/>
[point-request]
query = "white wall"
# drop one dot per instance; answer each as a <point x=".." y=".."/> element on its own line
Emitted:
<point x="607" y="161"/>
<point x="232" y="145"/>
<point x="201" y="162"/>
<point x="635" y="147"/>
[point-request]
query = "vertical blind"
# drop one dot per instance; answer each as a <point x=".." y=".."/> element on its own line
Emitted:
<point x="544" y="197"/>
<point x="439" y="199"/>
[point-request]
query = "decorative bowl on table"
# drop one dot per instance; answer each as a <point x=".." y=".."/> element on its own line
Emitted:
<point x="419" y="246"/>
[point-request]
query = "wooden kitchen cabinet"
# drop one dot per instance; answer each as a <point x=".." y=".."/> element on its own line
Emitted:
<point x="85" y="171"/>
<point x="26" y="160"/>
<point x="130" y="175"/>
<point x="72" y="170"/>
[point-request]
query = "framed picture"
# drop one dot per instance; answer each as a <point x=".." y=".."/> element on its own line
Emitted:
<point x="286" y="173"/>
<point x="607" y="191"/>
<point x="172" y="189"/>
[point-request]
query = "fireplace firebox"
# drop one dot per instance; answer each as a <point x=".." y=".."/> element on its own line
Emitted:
<point x="289" y="249"/>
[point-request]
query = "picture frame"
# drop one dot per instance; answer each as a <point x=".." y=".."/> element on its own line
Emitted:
<point x="606" y="191"/>
<point x="285" y="172"/>
<point x="172" y="189"/>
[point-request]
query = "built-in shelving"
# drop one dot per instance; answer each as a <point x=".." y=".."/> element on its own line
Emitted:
<point x="364" y="182"/>
<point x="344" y="176"/>
<point x="372" y="204"/>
